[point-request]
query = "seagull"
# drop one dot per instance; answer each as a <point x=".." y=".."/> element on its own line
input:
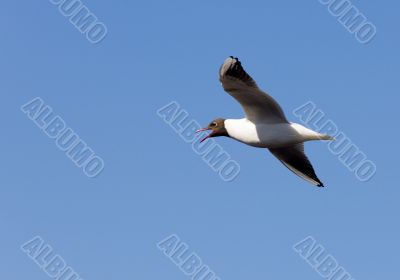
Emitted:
<point x="265" y="124"/>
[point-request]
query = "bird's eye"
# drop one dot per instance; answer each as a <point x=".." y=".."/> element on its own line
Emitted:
<point x="213" y="124"/>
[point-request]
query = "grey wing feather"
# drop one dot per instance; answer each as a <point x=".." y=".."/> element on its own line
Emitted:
<point x="295" y="159"/>
<point x="258" y="106"/>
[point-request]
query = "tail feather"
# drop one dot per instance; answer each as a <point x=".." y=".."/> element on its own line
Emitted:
<point x="326" y="137"/>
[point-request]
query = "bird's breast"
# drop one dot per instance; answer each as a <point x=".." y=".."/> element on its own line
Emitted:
<point x="262" y="135"/>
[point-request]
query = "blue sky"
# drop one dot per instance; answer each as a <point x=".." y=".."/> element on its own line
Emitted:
<point x="153" y="184"/>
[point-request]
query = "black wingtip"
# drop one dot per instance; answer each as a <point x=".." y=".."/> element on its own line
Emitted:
<point x="235" y="58"/>
<point x="235" y="69"/>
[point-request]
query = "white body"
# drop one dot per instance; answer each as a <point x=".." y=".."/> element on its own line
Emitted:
<point x="276" y="135"/>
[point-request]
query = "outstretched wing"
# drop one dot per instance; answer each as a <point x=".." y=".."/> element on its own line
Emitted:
<point x="295" y="159"/>
<point x="258" y="106"/>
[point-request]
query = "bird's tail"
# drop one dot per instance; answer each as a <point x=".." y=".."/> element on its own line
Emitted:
<point x="325" y="137"/>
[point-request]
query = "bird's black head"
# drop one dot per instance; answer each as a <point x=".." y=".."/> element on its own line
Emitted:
<point x="217" y="128"/>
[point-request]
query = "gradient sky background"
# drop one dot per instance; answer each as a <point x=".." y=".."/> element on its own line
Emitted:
<point x="153" y="184"/>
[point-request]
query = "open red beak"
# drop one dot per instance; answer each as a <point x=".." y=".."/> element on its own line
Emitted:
<point x="204" y="129"/>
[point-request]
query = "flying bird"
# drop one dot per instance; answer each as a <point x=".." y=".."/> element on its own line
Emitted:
<point x="265" y="124"/>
